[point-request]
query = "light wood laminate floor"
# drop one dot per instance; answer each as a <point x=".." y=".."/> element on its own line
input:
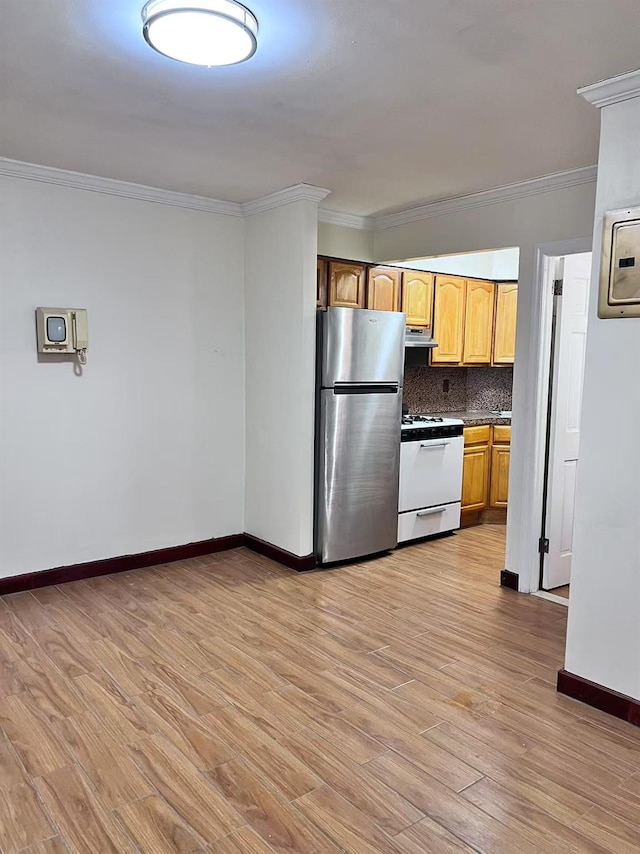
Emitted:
<point x="228" y="705"/>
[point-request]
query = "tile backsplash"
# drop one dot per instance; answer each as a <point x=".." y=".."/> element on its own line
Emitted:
<point x="468" y="389"/>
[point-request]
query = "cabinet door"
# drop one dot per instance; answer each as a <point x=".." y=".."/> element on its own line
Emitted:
<point x="321" y="283"/>
<point x="475" y="477"/>
<point x="417" y="297"/>
<point x="448" y="320"/>
<point x="383" y="289"/>
<point x="500" y="456"/>
<point x="346" y="284"/>
<point x="478" y="323"/>
<point x="504" y="339"/>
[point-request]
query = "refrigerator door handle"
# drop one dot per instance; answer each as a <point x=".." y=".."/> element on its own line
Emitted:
<point x="366" y="388"/>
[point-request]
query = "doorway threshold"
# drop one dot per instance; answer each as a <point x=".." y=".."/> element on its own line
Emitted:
<point x="551" y="597"/>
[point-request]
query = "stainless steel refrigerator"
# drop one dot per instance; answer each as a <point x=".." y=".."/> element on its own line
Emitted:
<point x="359" y="415"/>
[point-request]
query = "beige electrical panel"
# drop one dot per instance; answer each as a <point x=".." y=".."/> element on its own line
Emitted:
<point x="619" y="294"/>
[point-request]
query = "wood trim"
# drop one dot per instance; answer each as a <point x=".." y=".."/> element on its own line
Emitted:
<point x="509" y="579"/>
<point x="124" y="563"/>
<point x="300" y="564"/>
<point x="606" y="699"/>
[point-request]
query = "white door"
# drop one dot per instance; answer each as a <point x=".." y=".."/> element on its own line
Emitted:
<point x="566" y="407"/>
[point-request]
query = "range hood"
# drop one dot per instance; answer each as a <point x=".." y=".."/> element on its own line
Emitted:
<point x="419" y="336"/>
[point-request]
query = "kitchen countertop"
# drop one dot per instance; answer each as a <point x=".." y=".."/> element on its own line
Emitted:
<point x="474" y="417"/>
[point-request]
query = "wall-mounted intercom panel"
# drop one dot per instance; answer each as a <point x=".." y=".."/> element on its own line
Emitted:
<point x="63" y="330"/>
<point x="619" y="294"/>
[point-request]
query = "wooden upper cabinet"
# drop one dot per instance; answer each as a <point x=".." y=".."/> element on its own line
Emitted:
<point x="478" y="324"/>
<point x="417" y="297"/>
<point x="448" y="320"/>
<point x="383" y="288"/>
<point x="321" y="283"/>
<point x="504" y="338"/>
<point x="346" y="284"/>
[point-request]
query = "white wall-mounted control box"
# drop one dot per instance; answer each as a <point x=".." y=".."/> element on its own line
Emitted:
<point x="62" y="330"/>
<point x="619" y="294"/>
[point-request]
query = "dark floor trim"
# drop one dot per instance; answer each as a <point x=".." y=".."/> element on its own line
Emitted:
<point x="300" y="564"/>
<point x="509" y="579"/>
<point x="74" y="572"/>
<point x="605" y="699"/>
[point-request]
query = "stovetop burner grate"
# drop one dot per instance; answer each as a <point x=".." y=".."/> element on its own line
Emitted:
<point x="419" y="419"/>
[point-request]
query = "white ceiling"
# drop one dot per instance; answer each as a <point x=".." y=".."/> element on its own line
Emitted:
<point x="386" y="102"/>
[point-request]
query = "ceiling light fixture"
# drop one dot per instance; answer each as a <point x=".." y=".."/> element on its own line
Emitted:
<point x="201" y="32"/>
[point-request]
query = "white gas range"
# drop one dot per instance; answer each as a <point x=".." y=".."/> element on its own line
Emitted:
<point x="431" y="457"/>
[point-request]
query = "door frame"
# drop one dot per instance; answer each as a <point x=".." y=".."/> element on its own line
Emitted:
<point x="538" y="381"/>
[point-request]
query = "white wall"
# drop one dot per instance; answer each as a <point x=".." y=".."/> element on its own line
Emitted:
<point x="145" y="450"/>
<point x="281" y="251"/>
<point x="499" y="264"/>
<point x="340" y="241"/>
<point x="523" y="223"/>
<point x="506" y="264"/>
<point x="603" y="639"/>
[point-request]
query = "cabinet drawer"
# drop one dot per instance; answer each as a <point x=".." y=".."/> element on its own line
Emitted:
<point x="477" y="435"/>
<point x="502" y="434"/>
<point x="426" y="523"/>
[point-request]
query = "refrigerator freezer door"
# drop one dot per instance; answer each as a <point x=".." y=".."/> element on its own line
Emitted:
<point x="359" y="474"/>
<point x="362" y="346"/>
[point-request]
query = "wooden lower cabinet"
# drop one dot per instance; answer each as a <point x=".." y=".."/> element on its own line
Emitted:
<point x="485" y="479"/>
<point x="475" y="477"/>
<point x="499" y="493"/>
<point x="476" y="468"/>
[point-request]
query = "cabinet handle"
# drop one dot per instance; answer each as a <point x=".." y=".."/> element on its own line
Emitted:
<point x="435" y="444"/>
<point x="431" y="512"/>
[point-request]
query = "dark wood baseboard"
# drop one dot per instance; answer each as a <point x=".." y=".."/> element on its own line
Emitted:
<point x="300" y="564"/>
<point x="490" y="516"/>
<point x="124" y="563"/>
<point x="509" y="579"/>
<point x="605" y="699"/>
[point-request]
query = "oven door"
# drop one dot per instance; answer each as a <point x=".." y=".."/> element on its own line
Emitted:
<point x="430" y="473"/>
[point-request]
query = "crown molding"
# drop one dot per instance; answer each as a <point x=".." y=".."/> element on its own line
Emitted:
<point x="533" y="187"/>
<point x="347" y="219"/>
<point x="612" y="91"/>
<point x="113" y="187"/>
<point x="297" y="193"/>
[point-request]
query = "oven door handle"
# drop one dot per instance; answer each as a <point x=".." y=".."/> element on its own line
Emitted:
<point x="431" y="512"/>
<point x="434" y="444"/>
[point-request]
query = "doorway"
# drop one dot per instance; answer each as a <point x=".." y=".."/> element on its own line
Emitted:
<point x="571" y="285"/>
<point x="468" y="375"/>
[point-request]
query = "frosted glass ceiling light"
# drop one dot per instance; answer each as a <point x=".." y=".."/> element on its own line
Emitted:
<point x="201" y="32"/>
